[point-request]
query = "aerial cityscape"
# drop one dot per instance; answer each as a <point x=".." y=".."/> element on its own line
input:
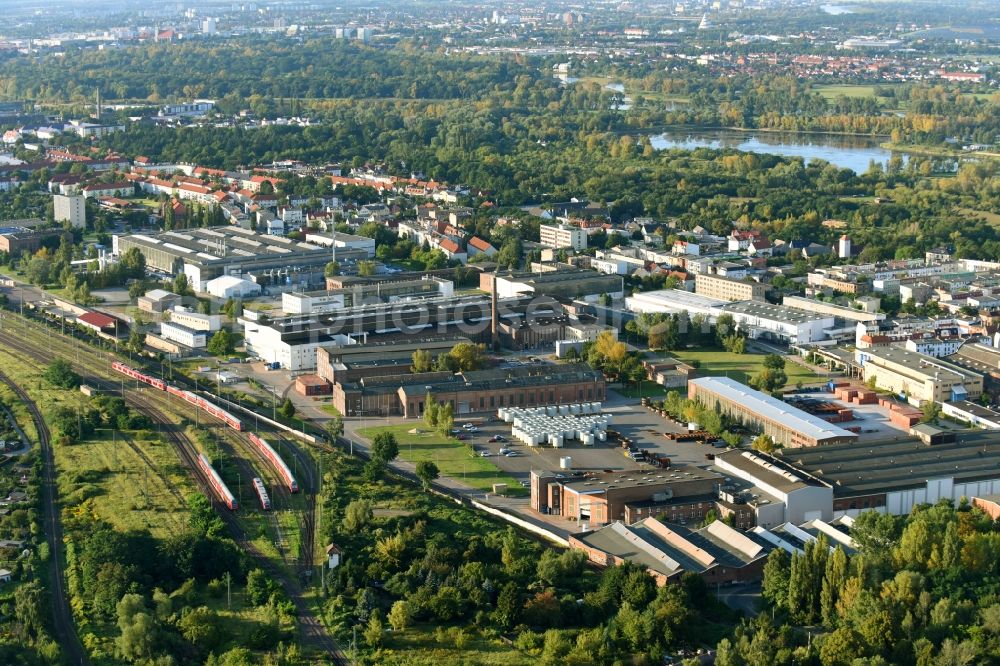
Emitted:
<point x="505" y="333"/>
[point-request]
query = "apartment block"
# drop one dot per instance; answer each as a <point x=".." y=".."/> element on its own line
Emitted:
<point x="562" y="235"/>
<point x="728" y="289"/>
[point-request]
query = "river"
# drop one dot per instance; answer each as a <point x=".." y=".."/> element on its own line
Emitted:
<point x="848" y="152"/>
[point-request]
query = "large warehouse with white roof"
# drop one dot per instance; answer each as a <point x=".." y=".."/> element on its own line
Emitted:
<point x="787" y="425"/>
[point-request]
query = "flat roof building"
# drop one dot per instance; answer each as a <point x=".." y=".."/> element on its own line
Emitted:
<point x="779" y="323"/>
<point x="331" y="300"/>
<point x="823" y="308"/>
<point x="895" y="476"/>
<point x="917" y="376"/>
<point x="562" y="235"/>
<point x="787" y="425"/>
<point x="674" y="301"/>
<point x="792" y="495"/>
<point x="572" y="283"/>
<point x="207" y="253"/>
<point x="727" y="288"/>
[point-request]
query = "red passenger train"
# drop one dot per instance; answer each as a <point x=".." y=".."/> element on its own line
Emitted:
<point x="135" y="374"/>
<point x="265" y="500"/>
<point x="276" y="461"/>
<point x="206" y="406"/>
<point x="193" y="398"/>
<point x="218" y="485"/>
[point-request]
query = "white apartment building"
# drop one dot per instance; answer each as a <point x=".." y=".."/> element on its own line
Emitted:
<point x="72" y="209"/>
<point x="562" y="235"/>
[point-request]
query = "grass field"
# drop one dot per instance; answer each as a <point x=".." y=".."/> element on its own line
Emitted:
<point x="450" y="455"/>
<point x="103" y="478"/>
<point x="740" y="367"/>
<point x="419" y="645"/>
<point x="992" y="218"/>
<point x="833" y="91"/>
<point x="648" y="389"/>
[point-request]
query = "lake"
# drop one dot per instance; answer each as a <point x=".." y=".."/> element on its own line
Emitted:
<point x="848" y="152"/>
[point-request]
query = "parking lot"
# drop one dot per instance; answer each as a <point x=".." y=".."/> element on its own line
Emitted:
<point x="644" y="428"/>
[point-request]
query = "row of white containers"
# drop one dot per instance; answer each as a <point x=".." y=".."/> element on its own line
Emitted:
<point x="508" y="413"/>
<point x="536" y="427"/>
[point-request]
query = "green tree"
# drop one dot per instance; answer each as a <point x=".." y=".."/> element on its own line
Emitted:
<point x="287" y="408"/>
<point x="374" y="631"/>
<point x="259" y="587"/>
<point x="384" y="448"/>
<point x="764" y="443"/>
<point x="201" y="626"/>
<point x="427" y="472"/>
<point x="931" y="410"/>
<point x="468" y="356"/>
<point x="431" y="408"/>
<point x="135" y="342"/>
<point x="222" y="343"/>
<point x="138" y="628"/>
<point x="421" y="361"/>
<point x="400" y="615"/>
<point x="332" y="269"/>
<point x="366" y="268"/>
<point x="335" y="427"/>
<point x="508" y="608"/>
<point x="357" y="516"/>
<point x="60" y="373"/>
<point x="446" y="418"/>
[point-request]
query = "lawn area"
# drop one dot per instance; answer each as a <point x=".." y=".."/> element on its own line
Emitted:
<point x="331" y="409"/>
<point x="986" y="216"/>
<point x="450" y="455"/>
<point x="834" y="91"/>
<point x="740" y="367"/>
<point x="648" y="389"/>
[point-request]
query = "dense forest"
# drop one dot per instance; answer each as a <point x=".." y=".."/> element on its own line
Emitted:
<point x="922" y="589"/>
<point x="307" y="76"/>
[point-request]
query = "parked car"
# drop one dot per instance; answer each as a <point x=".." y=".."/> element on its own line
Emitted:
<point x="484" y="453"/>
<point x="512" y="454"/>
<point x="498" y="438"/>
<point x="504" y="451"/>
<point x="468" y="426"/>
<point x="461" y="436"/>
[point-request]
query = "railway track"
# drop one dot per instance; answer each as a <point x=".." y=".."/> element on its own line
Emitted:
<point x="62" y="616"/>
<point x="313" y="632"/>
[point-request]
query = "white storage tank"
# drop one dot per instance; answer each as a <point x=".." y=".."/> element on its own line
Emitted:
<point x="574" y="410"/>
<point x="566" y="462"/>
<point x="551" y="411"/>
<point x="602" y="436"/>
<point x="588" y="439"/>
<point x="563" y="410"/>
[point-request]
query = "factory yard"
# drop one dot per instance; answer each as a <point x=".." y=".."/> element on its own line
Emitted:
<point x="873" y="420"/>
<point x="488" y="466"/>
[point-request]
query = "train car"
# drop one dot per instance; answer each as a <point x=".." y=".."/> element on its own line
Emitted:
<point x="265" y="501"/>
<point x="276" y="461"/>
<point x="207" y="407"/>
<point x="219" y="487"/>
<point x="222" y="415"/>
<point x="135" y="374"/>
